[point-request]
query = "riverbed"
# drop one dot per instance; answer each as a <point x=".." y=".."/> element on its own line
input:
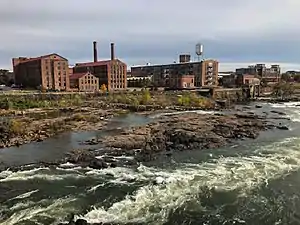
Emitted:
<point x="248" y="182"/>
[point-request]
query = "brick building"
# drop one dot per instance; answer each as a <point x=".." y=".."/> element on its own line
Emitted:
<point x="86" y="82"/>
<point x="49" y="72"/>
<point x="112" y="73"/>
<point x="182" y="82"/>
<point x="267" y="75"/>
<point x="247" y="79"/>
<point x="205" y="72"/>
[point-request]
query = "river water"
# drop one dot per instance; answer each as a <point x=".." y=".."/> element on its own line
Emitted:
<point x="249" y="182"/>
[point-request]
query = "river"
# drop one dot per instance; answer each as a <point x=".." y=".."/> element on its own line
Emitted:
<point x="249" y="182"/>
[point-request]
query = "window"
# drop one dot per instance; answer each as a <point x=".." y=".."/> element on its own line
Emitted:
<point x="58" y="73"/>
<point x="58" y="67"/>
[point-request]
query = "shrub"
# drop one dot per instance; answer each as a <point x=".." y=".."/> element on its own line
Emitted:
<point x="16" y="127"/>
<point x="146" y="97"/>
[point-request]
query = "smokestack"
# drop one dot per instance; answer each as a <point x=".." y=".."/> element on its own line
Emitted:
<point x="112" y="51"/>
<point x="95" y="51"/>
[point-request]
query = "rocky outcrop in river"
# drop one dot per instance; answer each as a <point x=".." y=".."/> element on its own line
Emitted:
<point x="185" y="132"/>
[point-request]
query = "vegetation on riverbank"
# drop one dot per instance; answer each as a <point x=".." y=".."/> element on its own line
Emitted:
<point x="29" y="102"/>
<point x="185" y="99"/>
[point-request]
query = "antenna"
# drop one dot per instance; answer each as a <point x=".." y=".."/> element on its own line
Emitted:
<point x="199" y="50"/>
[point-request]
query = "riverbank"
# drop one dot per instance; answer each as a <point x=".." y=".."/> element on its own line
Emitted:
<point x="38" y="117"/>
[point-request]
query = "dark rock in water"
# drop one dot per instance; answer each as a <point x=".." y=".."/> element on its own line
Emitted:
<point x="81" y="222"/>
<point x="258" y="106"/>
<point x="187" y="131"/>
<point x="282" y="127"/>
<point x="277" y="112"/>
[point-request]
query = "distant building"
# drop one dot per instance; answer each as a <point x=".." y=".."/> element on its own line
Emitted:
<point x="112" y="73"/>
<point x="247" y="79"/>
<point x="229" y="81"/>
<point x="267" y="75"/>
<point x="205" y="72"/>
<point x="139" y="82"/>
<point x="86" y="82"/>
<point x="49" y="72"/>
<point x="182" y="82"/>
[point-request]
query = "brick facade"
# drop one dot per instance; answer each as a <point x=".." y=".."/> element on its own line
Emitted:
<point x="205" y="72"/>
<point x="49" y="72"/>
<point x="112" y="73"/>
<point x="85" y="82"/>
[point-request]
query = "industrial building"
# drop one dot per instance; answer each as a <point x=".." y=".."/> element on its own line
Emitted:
<point x="47" y="72"/>
<point x="180" y="75"/>
<point x="112" y="73"/>
<point x="267" y="75"/>
<point x="85" y="82"/>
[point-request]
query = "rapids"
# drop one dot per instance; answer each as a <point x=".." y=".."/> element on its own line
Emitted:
<point x="250" y="182"/>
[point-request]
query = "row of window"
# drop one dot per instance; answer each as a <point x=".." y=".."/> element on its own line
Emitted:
<point x="117" y="86"/>
<point x="92" y="81"/>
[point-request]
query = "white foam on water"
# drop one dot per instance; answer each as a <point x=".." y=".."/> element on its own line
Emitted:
<point x="67" y="164"/>
<point x="284" y="104"/>
<point x="25" y="195"/>
<point x="56" y="209"/>
<point x="152" y="204"/>
<point x="7" y="176"/>
<point x="291" y="108"/>
<point x="7" y="173"/>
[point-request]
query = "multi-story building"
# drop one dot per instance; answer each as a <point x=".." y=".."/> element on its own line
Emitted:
<point x="48" y="72"/>
<point x="271" y="74"/>
<point x="86" y="82"/>
<point x="182" y="82"/>
<point x="205" y="72"/>
<point x="112" y="73"/>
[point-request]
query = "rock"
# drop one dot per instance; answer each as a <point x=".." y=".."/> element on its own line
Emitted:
<point x="81" y="222"/>
<point x="282" y="127"/>
<point x="279" y="113"/>
<point x="258" y="106"/>
<point x="186" y="131"/>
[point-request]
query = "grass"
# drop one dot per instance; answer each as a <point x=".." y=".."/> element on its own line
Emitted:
<point x="21" y="102"/>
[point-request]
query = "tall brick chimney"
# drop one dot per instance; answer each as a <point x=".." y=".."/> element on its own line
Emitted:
<point x="112" y="51"/>
<point x="95" y="51"/>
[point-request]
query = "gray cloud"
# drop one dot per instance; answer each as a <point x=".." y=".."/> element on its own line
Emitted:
<point x="155" y="31"/>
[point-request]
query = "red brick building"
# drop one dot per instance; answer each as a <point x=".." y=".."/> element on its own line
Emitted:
<point x="48" y="72"/>
<point x="247" y="79"/>
<point x="182" y="82"/>
<point x="205" y="72"/>
<point x="86" y="82"/>
<point x="112" y="73"/>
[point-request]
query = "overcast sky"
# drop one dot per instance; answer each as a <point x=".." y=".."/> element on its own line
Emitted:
<point x="235" y="32"/>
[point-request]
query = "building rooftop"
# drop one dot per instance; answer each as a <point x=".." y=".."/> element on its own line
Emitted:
<point x="76" y="76"/>
<point x="169" y="64"/>
<point x="98" y="63"/>
<point x="38" y="58"/>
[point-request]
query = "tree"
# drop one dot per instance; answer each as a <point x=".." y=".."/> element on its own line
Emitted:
<point x="283" y="90"/>
<point x="286" y="77"/>
<point x="103" y="88"/>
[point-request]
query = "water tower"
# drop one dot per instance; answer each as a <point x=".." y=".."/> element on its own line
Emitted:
<point x="199" y="50"/>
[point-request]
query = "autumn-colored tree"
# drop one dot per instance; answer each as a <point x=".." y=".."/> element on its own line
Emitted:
<point x="103" y="88"/>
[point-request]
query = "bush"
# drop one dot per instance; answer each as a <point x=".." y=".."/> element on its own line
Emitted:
<point x="146" y="97"/>
<point x="16" y="127"/>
